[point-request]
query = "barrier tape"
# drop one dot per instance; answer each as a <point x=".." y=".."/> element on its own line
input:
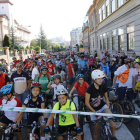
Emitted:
<point x="37" y="110"/>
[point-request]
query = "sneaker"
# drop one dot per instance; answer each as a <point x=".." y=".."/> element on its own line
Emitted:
<point x="113" y="138"/>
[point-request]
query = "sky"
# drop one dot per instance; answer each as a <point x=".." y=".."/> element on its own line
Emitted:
<point x="58" y="17"/>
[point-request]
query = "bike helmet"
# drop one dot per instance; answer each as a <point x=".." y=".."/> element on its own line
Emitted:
<point x="103" y="58"/>
<point x="44" y="67"/>
<point x="62" y="91"/>
<point x="96" y="74"/>
<point x="34" y="61"/>
<point x="85" y="59"/>
<point x="80" y="76"/>
<point x="49" y="60"/>
<point x="12" y="63"/>
<point x="68" y="58"/>
<point x="59" y="67"/>
<point x="39" y="64"/>
<point x="91" y="55"/>
<point x="36" y="84"/>
<point x="128" y="60"/>
<point x="113" y="59"/>
<point x="137" y="60"/>
<point x="57" y="76"/>
<point x="7" y="89"/>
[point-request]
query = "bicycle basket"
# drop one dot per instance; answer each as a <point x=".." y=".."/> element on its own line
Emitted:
<point x="112" y="95"/>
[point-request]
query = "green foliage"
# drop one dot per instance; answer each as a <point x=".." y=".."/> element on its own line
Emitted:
<point x="14" y="41"/>
<point x="31" y="47"/>
<point x="41" y="39"/>
<point x="20" y="47"/>
<point x="7" y="42"/>
<point x="27" y="48"/>
<point x="58" y="48"/>
<point x="37" y="48"/>
<point x="33" y="43"/>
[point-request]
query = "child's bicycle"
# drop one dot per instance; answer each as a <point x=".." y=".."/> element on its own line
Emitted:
<point x="67" y="136"/>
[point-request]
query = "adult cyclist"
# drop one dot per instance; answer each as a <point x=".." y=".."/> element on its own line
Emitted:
<point x="94" y="101"/>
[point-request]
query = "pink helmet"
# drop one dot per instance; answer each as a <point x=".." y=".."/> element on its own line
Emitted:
<point x="85" y="59"/>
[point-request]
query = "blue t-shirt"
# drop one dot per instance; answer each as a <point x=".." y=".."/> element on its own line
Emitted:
<point x="82" y="63"/>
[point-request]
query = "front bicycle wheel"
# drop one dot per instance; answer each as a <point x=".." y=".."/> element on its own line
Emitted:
<point x="128" y="109"/>
<point x="117" y="109"/>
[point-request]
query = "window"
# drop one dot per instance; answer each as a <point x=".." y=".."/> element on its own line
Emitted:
<point x="130" y="36"/>
<point x="120" y="39"/>
<point x="113" y="39"/>
<point x="103" y="11"/>
<point x="100" y="41"/>
<point x="112" y="5"/>
<point x="100" y="15"/>
<point x="108" y="41"/>
<point x="107" y="7"/>
<point x="120" y="2"/>
<point x="104" y="42"/>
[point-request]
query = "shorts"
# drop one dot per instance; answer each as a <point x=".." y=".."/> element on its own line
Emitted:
<point x="5" y="120"/>
<point x="63" y="129"/>
<point x="95" y="118"/>
<point x="31" y="118"/>
<point x="70" y="81"/>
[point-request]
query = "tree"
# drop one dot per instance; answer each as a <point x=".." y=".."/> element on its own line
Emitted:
<point x="57" y="47"/>
<point x="31" y="47"/>
<point x="33" y="43"/>
<point x="37" y="48"/>
<point x="7" y="42"/>
<point x="14" y="41"/>
<point x="20" y="47"/>
<point x="27" y="48"/>
<point x="41" y="39"/>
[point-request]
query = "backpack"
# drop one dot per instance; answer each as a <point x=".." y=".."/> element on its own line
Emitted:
<point x="137" y="86"/>
<point x="124" y="76"/>
<point x="69" y="105"/>
<point x="48" y="76"/>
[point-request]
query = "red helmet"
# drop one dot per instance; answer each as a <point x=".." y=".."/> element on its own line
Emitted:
<point x="103" y="58"/>
<point x="128" y="60"/>
<point x="36" y="84"/>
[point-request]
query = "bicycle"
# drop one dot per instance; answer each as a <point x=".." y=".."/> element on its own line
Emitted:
<point x="67" y="136"/>
<point x="105" y="132"/>
<point x="115" y="107"/>
<point x="81" y="107"/>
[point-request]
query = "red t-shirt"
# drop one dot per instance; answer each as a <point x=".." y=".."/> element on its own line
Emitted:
<point x="43" y="63"/>
<point x="28" y="65"/>
<point x="16" y="62"/>
<point x="51" y="69"/>
<point x="81" y="90"/>
<point x="70" y="66"/>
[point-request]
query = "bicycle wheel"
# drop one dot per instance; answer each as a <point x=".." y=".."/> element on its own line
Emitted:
<point x="128" y="109"/>
<point x="117" y="109"/>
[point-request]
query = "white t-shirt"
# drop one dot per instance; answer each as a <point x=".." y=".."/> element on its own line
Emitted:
<point x="129" y="82"/>
<point x="34" y="72"/>
<point x="56" y="87"/>
<point x="61" y="74"/>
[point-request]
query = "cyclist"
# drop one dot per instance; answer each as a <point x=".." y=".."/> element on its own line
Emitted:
<point x="35" y="71"/>
<point x="137" y="69"/>
<point x="12" y="68"/>
<point x="44" y="78"/>
<point x="113" y="67"/>
<point x="126" y="78"/>
<point x="71" y="73"/>
<point x="91" y="62"/>
<point x="51" y="67"/>
<point x="65" y="120"/>
<point x="80" y="86"/>
<point x="35" y="100"/>
<point x="81" y="65"/>
<point x="15" y="61"/>
<point x="94" y="101"/>
<point x="61" y="73"/>
<point x="55" y="85"/>
<point x="9" y="100"/>
<point x="4" y="79"/>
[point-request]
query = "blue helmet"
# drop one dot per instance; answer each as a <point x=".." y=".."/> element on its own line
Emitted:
<point x="7" y="89"/>
<point x="80" y="76"/>
<point x="39" y="64"/>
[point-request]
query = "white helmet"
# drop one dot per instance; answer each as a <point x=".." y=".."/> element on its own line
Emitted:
<point x="12" y="63"/>
<point x="97" y="58"/>
<point x="113" y="59"/>
<point x="91" y="55"/>
<point x="61" y="92"/>
<point x="96" y="74"/>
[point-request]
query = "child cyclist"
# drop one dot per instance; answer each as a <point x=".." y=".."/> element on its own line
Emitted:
<point x="9" y="100"/>
<point x="65" y="120"/>
<point x="80" y="86"/>
<point x="35" y="100"/>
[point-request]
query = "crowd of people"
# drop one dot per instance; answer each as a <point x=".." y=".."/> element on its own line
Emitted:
<point x="55" y="76"/>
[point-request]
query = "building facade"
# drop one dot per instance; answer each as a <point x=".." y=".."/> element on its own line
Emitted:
<point x="85" y="31"/>
<point x="76" y="37"/>
<point x="114" y="25"/>
<point x="7" y="22"/>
